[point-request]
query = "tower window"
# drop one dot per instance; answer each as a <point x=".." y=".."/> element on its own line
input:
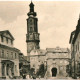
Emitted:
<point x="31" y="21"/>
<point x="31" y="29"/>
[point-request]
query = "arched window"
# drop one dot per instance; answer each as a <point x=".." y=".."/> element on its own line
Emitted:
<point x="31" y="29"/>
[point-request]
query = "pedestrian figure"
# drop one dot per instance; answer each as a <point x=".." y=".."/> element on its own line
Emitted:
<point x="24" y="76"/>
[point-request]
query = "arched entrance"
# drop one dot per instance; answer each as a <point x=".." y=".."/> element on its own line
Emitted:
<point x="54" y="72"/>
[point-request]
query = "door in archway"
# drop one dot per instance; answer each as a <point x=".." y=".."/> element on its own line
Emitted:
<point x="54" y="72"/>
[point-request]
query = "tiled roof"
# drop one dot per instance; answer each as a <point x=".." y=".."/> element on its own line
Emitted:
<point x="38" y="52"/>
<point x="57" y="49"/>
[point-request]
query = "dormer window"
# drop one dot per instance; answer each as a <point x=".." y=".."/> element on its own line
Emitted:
<point x="2" y="38"/>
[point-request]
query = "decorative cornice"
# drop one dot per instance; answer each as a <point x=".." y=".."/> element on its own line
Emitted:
<point x="10" y="48"/>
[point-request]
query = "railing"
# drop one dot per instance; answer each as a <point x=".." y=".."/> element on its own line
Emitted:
<point x="32" y="37"/>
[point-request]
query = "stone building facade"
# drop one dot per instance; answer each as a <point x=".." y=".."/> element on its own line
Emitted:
<point x="23" y="59"/>
<point x="37" y="57"/>
<point x="9" y="56"/>
<point x="75" y="51"/>
<point x="55" y="59"/>
<point x="23" y="64"/>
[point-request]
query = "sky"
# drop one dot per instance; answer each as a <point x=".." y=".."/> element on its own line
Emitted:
<point x="56" y="21"/>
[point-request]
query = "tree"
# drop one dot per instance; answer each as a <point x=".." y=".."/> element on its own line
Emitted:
<point x="32" y="70"/>
<point x="41" y="71"/>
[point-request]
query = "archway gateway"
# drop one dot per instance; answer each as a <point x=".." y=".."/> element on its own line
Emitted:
<point x="54" y="72"/>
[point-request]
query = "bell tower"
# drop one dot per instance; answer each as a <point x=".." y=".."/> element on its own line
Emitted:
<point x="32" y="36"/>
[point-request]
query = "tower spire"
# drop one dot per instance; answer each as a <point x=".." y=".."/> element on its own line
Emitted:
<point x="31" y="6"/>
<point x="32" y="37"/>
<point x="31" y="9"/>
<point x="79" y="21"/>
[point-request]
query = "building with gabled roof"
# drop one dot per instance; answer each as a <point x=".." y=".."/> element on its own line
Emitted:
<point x="75" y="51"/>
<point x="9" y="56"/>
<point x="56" y="59"/>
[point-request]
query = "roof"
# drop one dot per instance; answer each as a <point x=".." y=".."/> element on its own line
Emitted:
<point x="76" y="31"/>
<point x="6" y="31"/>
<point x="25" y="57"/>
<point x="76" y="35"/>
<point x="38" y="52"/>
<point x="31" y="4"/>
<point x="72" y="33"/>
<point x="57" y="50"/>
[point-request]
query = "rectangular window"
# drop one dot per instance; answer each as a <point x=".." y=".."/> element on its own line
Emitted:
<point x="33" y="65"/>
<point x="7" y="56"/>
<point x="15" y="56"/>
<point x="11" y="42"/>
<point x="76" y="48"/>
<point x="16" y="68"/>
<point x="11" y="54"/>
<point x="2" y="53"/>
<point x="7" y="40"/>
